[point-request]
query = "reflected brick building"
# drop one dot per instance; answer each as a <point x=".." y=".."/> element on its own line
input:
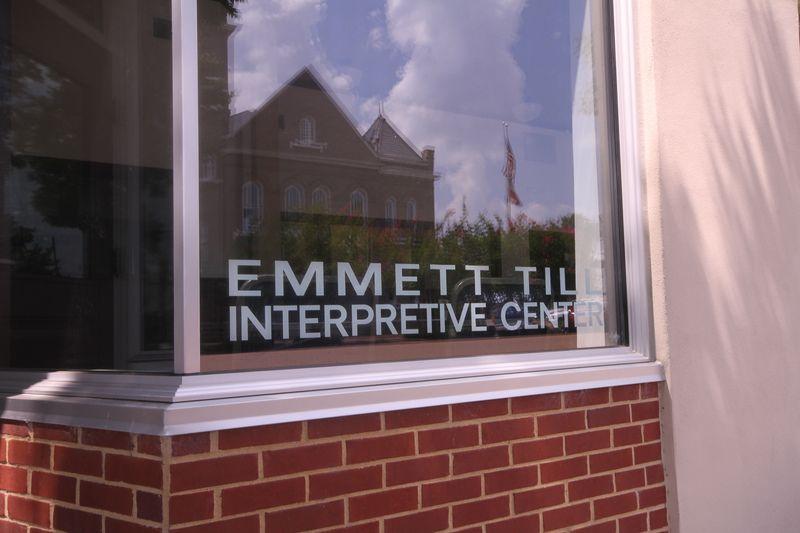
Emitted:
<point x="295" y="179"/>
<point x="298" y="158"/>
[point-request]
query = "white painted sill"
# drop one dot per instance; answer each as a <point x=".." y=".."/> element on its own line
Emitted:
<point x="173" y="405"/>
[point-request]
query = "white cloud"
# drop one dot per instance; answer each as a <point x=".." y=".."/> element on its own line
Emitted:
<point x="377" y="38"/>
<point x="460" y="83"/>
<point x="275" y="39"/>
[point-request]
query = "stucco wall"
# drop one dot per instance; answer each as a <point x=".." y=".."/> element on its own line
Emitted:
<point x="720" y="102"/>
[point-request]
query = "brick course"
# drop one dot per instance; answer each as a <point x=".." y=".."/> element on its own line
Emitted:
<point x="584" y="460"/>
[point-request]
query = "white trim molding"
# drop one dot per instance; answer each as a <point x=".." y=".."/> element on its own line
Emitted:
<point x="217" y="407"/>
<point x="213" y="386"/>
<point x="185" y="186"/>
<point x="634" y="227"/>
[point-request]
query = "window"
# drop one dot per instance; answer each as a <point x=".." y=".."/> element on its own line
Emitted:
<point x="515" y="250"/>
<point x="252" y="207"/>
<point x="308" y="130"/>
<point x="321" y="199"/>
<point x="306" y="134"/>
<point x="85" y="200"/>
<point x="411" y="210"/>
<point x="515" y="261"/>
<point x="208" y="171"/>
<point x="358" y="203"/>
<point x="391" y="211"/>
<point x="293" y="198"/>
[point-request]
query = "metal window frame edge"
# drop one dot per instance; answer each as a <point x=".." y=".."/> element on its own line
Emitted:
<point x="186" y="187"/>
<point x="635" y="234"/>
<point x="191" y="401"/>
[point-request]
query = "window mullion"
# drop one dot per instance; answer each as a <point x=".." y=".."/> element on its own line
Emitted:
<point x="186" y="235"/>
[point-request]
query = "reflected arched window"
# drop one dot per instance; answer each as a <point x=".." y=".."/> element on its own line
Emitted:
<point x="391" y="211"/>
<point x="208" y="170"/>
<point x="358" y="203"/>
<point x="321" y="199"/>
<point x="293" y="198"/>
<point x="252" y="206"/>
<point x="308" y="130"/>
<point x="411" y="210"/>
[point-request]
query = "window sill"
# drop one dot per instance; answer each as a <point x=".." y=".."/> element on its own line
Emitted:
<point x="172" y="405"/>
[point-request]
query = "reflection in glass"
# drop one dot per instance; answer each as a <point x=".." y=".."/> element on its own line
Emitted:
<point x="358" y="203"/>
<point x="460" y="168"/>
<point x="391" y="211"/>
<point x="252" y="207"/>
<point x="321" y="200"/>
<point x="411" y="210"/>
<point x="85" y="185"/>
<point x="294" y="198"/>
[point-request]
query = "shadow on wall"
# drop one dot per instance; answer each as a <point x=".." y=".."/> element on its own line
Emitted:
<point x="730" y="170"/>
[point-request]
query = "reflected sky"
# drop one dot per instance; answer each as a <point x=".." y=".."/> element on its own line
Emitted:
<point x="447" y="74"/>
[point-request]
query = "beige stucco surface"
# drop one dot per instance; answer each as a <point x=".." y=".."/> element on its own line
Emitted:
<point x="720" y="119"/>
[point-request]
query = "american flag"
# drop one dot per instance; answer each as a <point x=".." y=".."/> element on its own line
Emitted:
<point x="510" y="171"/>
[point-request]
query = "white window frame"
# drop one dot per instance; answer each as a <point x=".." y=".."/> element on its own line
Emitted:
<point x="190" y="401"/>
<point x="411" y="210"/>
<point x="323" y="193"/>
<point x="253" y="202"/>
<point x="307" y="127"/>
<point x="365" y="203"/>
<point x="390" y="210"/>
<point x="287" y="205"/>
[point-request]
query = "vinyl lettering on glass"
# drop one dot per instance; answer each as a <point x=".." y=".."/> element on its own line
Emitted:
<point x="405" y="179"/>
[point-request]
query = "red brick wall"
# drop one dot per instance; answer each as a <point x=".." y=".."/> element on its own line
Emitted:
<point x="585" y="461"/>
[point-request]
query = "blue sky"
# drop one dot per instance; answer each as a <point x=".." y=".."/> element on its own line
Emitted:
<point x="542" y="51"/>
<point x="448" y="73"/>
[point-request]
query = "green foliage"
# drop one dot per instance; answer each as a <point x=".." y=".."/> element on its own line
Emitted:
<point x="230" y="6"/>
<point x="481" y="241"/>
<point x="28" y="255"/>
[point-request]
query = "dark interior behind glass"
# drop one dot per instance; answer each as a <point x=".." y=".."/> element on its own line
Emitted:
<point x="85" y="184"/>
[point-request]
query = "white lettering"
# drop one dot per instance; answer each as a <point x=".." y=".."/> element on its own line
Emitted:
<point x="306" y="320"/>
<point x="248" y="317"/>
<point x="526" y="278"/>
<point x="565" y="311"/>
<point x="528" y="314"/>
<point x="475" y="316"/>
<point x="354" y="309"/>
<point x="232" y="323"/>
<point x="337" y="321"/>
<point x="234" y="277"/>
<point x="544" y="313"/>
<point x="428" y="308"/>
<point x="477" y="269"/>
<point x="562" y="277"/>
<point x="385" y="320"/>
<point x="283" y="270"/>
<point x="405" y="329"/>
<point x="284" y="310"/>
<point x="548" y="282"/>
<point x="443" y="277"/>
<point x="373" y="274"/>
<point x="503" y="320"/>
<point x="400" y="278"/>
<point x="458" y="322"/>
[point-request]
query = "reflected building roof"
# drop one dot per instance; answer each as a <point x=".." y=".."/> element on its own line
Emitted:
<point x="387" y="142"/>
<point x="306" y="94"/>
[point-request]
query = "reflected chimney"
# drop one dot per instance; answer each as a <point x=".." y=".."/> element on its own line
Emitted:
<point x="427" y="155"/>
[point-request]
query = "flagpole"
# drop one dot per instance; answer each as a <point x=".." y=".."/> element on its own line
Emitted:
<point x="508" y="198"/>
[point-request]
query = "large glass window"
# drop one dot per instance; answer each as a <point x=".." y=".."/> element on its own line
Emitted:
<point x="509" y="241"/>
<point x="85" y="184"/>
